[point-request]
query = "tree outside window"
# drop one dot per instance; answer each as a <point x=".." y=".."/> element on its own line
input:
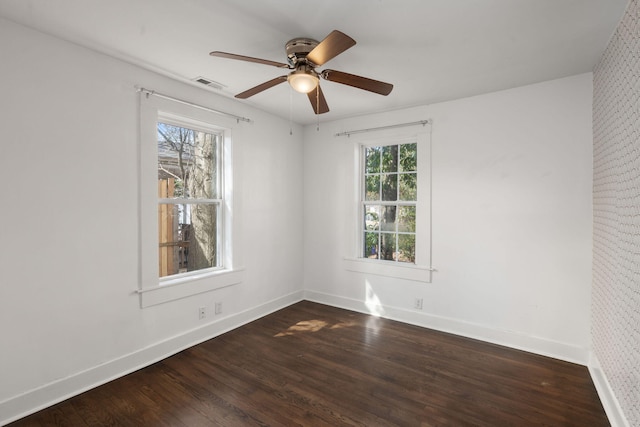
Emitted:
<point x="389" y="199"/>
<point x="189" y="199"/>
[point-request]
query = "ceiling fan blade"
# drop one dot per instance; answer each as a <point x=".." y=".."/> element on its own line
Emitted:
<point x="264" y="86"/>
<point x="318" y="102"/>
<point x="332" y="45"/>
<point x="360" y="82"/>
<point x="249" y="59"/>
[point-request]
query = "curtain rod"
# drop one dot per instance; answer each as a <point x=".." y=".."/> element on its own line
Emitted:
<point x="400" y="125"/>
<point x="148" y="92"/>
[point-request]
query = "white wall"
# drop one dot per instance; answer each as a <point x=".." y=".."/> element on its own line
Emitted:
<point x="512" y="174"/>
<point x="69" y="264"/>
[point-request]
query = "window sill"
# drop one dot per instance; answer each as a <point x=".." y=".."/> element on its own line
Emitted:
<point x="417" y="273"/>
<point x="183" y="287"/>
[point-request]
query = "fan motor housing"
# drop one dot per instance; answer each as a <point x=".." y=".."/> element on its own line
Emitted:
<point x="298" y="49"/>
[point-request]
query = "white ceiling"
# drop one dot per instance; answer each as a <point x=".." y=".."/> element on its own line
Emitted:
<point x="431" y="50"/>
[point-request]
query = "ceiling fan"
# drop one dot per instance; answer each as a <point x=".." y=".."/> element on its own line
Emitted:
<point x="303" y="56"/>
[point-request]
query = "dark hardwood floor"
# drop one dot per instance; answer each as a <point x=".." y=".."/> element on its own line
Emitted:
<point x="315" y="365"/>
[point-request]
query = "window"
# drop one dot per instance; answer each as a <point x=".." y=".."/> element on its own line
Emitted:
<point x="188" y="239"/>
<point x="389" y="197"/>
<point x="189" y="199"/>
<point x="392" y="206"/>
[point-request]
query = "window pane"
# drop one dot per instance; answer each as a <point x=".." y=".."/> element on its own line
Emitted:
<point x="390" y="158"/>
<point x="372" y="191"/>
<point x="370" y="245"/>
<point x="408" y="186"/>
<point x="409" y="157"/>
<point x="372" y="155"/>
<point x="166" y="187"/>
<point x="189" y="158"/>
<point x="407" y="219"/>
<point x="390" y="187"/>
<point x="187" y="237"/>
<point x="203" y="176"/>
<point x="407" y="248"/>
<point x="387" y="246"/>
<point x="388" y="222"/>
<point x="169" y="234"/>
<point x="372" y="217"/>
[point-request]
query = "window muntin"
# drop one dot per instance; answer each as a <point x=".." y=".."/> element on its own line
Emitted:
<point x="389" y="202"/>
<point x="189" y="199"/>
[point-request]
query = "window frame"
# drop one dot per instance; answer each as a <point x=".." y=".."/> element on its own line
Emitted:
<point x="421" y="270"/>
<point x="152" y="288"/>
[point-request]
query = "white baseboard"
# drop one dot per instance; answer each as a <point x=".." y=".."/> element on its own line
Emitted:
<point x="607" y="397"/>
<point x="34" y="400"/>
<point x="511" y="339"/>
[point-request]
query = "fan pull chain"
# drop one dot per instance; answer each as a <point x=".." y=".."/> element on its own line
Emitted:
<point x="318" y="108"/>
<point x="290" y="111"/>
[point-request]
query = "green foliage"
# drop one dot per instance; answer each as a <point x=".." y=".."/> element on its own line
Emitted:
<point x="390" y="175"/>
<point x="372" y="187"/>
<point x="372" y="163"/>
<point x="409" y="157"/>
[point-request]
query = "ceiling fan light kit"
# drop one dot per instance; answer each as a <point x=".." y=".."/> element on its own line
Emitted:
<point x="303" y="79"/>
<point x="303" y="56"/>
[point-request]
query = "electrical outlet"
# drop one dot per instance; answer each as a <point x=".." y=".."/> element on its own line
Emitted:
<point x="417" y="304"/>
<point x="218" y="307"/>
<point x="202" y="313"/>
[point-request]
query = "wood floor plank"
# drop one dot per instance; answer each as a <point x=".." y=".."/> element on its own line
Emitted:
<point x="315" y="365"/>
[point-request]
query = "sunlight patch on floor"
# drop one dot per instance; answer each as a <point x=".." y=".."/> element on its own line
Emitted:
<point x="312" y="326"/>
<point x="372" y="301"/>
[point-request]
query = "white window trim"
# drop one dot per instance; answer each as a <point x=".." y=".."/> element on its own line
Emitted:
<point x="421" y="271"/>
<point x="152" y="289"/>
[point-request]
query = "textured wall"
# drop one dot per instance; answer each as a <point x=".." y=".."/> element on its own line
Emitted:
<point x="616" y="199"/>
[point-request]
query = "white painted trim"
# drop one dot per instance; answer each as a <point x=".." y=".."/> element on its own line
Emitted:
<point x="34" y="400"/>
<point x="511" y="339"/>
<point x="607" y="396"/>
<point x="185" y="286"/>
<point x="389" y="268"/>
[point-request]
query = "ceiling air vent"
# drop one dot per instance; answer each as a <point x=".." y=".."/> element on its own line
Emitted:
<point x="208" y="82"/>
